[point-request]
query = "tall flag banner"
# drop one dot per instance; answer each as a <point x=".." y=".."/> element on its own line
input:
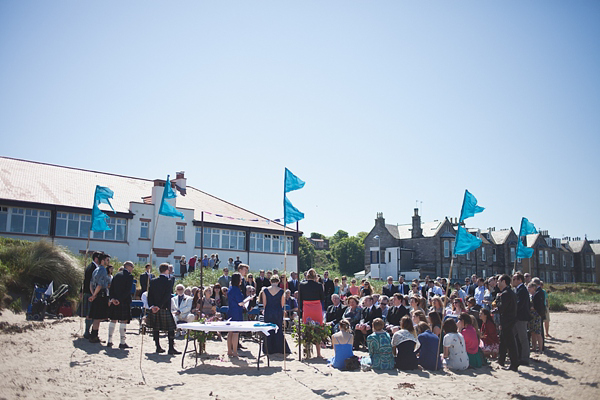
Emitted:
<point x="527" y="228"/>
<point x="166" y="208"/>
<point x="465" y="242"/>
<point x="469" y="207"/>
<point x="290" y="213"/>
<point x="99" y="218"/>
<point x="292" y="182"/>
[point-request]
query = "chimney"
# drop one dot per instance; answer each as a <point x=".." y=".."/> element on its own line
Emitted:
<point x="380" y="220"/>
<point x="416" y="232"/>
<point x="180" y="182"/>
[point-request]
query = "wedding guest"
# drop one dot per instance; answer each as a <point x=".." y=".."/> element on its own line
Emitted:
<point x="405" y="343"/>
<point x="310" y="298"/>
<point x="182" y="266"/>
<point x="523" y="317"/>
<point x="390" y="288"/>
<point x="274" y="300"/>
<point x="365" y="327"/>
<point x="207" y="305"/>
<point x="418" y="316"/>
<point x="415" y="304"/>
<point x="235" y="313"/>
<point x="353" y="289"/>
<point x="457" y="308"/>
<point x="160" y="302"/>
<point x="353" y="312"/>
<point x="435" y="322"/>
<point x="507" y="308"/>
<point x="534" y="325"/>
<point x="224" y="297"/>
<point x="437" y="306"/>
<point x="217" y="261"/>
<point x="547" y="319"/>
<point x="465" y="325"/>
<point x="251" y="281"/>
<point x="366" y="290"/>
<point x="384" y="306"/>
<point x="293" y="282"/>
<point x="380" y="347"/>
<point x="396" y="312"/>
<point x="489" y="334"/>
<point x="455" y="351"/>
<point x="342" y="345"/>
<point x="120" y="304"/>
<point x="335" y="312"/>
<point x="182" y="306"/>
<point x="261" y="281"/>
<point x="459" y="291"/>
<point x="344" y="287"/>
<point x="429" y="353"/>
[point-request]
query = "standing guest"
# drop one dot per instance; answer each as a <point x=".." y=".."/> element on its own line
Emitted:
<point x="479" y="292"/>
<point x="336" y="286"/>
<point x="365" y="327"/>
<point x="283" y="283"/>
<point x="403" y="288"/>
<point x="465" y="325"/>
<point x="120" y="303"/>
<point x="205" y="261"/>
<point x="87" y="293"/>
<point x="353" y="313"/>
<point x="540" y="304"/>
<point x="293" y="282"/>
<point x="523" y="317"/>
<point x="344" y="287"/>
<point x="429" y="353"/>
<point x="211" y="261"/>
<point x="235" y="313"/>
<point x="537" y="311"/>
<point x="328" y="288"/>
<point x="460" y="292"/>
<point x="243" y="271"/>
<point x="389" y="289"/>
<point x="507" y="307"/>
<point x="547" y="319"/>
<point x="109" y="271"/>
<point x="192" y="264"/>
<point x="217" y="261"/>
<point x="237" y="263"/>
<point x="99" y="298"/>
<point x="182" y="306"/>
<point x="171" y="276"/>
<point x="230" y="264"/>
<point x="366" y="290"/>
<point x="310" y="298"/>
<point x="490" y="293"/>
<point x="414" y="290"/>
<point x="182" y="266"/>
<point x="274" y="301"/>
<point x="335" y="312"/>
<point x="381" y="354"/>
<point x="397" y="311"/>
<point x="455" y="351"/>
<point x="159" y="301"/>
<point x="527" y="277"/>
<point x="405" y="343"/>
<point x="269" y="276"/>
<point x="225" y="279"/>
<point x="489" y="334"/>
<point x="250" y="281"/>
<point x="342" y="345"/>
<point x="261" y="281"/>
<point x="353" y="289"/>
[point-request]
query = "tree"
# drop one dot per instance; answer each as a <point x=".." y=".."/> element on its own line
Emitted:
<point x="339" y="235"/>
<point x="317" y="235"/>
<point x="362" y="236"/>
<point x="350" y="254"/>
<point x="306" y="254"/>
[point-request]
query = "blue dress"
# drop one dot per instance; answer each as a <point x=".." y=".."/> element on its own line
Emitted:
<point x="274" y="314"/>
<point x="342" y="353"/>
<point x="235" y="296"/>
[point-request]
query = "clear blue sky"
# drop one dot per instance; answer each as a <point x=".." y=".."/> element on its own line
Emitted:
<point x="374" y="104"/>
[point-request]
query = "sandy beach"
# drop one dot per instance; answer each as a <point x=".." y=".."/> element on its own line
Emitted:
<point x="51" y="360"/>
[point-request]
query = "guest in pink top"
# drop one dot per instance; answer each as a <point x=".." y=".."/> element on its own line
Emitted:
<point x="467" y="329"/>
<point x="353" y="289"/>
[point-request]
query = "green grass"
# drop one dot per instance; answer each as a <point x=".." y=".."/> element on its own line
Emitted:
<point x="573" y="293"/>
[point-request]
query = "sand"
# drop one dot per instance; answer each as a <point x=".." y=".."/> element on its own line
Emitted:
<point x="51" y="360"/>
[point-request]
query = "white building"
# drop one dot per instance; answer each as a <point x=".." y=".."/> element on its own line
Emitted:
<point x="43" y="201"/>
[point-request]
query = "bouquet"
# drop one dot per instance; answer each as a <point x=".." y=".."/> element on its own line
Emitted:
<point x="309" y="334"/>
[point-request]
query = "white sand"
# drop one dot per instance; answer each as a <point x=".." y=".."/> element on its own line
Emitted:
<point x="52" y="361"/>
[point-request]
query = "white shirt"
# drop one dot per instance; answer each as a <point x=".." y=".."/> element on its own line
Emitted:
<point x="479" y="293"/>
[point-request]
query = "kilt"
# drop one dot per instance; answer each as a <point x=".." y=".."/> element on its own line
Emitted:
<point x="163" y="320"/>
<point x="99" y="307"/>
<point x="122" y="312"/>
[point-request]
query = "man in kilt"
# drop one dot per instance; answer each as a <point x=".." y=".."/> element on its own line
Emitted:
<point x="86" y="294"/>
<point x="99" y="298"/>
<point x="119" y="306"/>
<point x="159" y="300"/>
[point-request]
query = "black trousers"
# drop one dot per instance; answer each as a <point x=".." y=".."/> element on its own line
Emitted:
<point x="508" y="342"/>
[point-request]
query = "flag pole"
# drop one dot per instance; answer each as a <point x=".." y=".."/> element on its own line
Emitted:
<point x="201" y="252"/>
<point x="284" y="284"/>
<point x="148" y="284"/>
<point x="87" y="249"/>
<point x="437" y="360"/>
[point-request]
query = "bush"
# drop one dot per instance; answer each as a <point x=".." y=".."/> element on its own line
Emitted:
<point x="556" y="302"/>
<point x="16" y="306"/>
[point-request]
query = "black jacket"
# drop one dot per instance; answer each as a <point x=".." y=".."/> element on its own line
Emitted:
<point x="523" y="304"/>
<point x="144" y="281"/>
<point x="261" y="283"/>
<point x="389" y="290"/>
<point x="508" y="308"/>
<point x="369" y="315"/>
<point x="309" y="290"/>
<point x="293" y="286"/>
<point x="120" y="288"/>
<point x="329" y="288"/>
<point x="334" y="314"/>
<point x="539" y="304"/>
<point x="403" y="288"/>
<point x="395" y="314"/>
<point x="87" y="277"/>
<point x="160" y="293"/>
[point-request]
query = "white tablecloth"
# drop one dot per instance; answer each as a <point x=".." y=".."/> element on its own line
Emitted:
<point x="223" y="326"/>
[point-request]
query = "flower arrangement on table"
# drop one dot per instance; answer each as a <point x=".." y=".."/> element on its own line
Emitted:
<point x="310" y="333"/>
<point x="200" y="336"/>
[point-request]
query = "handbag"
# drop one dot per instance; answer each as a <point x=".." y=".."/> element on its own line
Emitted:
<point x="351" y="364"/>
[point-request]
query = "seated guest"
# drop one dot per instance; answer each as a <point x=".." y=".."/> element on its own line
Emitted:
<point x="404" y="343"/>
<point x="418" y="316"/>
<point x="291" y="303"/>
<point x="438" y="306"/>
<point x="380" y="348"/>
<point x="216" y="294"/>
<point x="342" y="342"/>
<point x="384" y="306"/>
<point x="429" y="354"/>
<point x="365" y="327"/>
<point x="489" y="334"/>
<point x="366" y="290"/>
<point x="396" y="312"/>
<point x="457" y="308"/>
<point x="353" y="313"/>
<point x="473" y="309"/>
<point x="182" y="306"/>
<point x="415" y="304"/>
<point x="224" y="298"/>
<point x="455" y="351"/>
<point x="206" y="305"/>
<point x="465" y="325"/>
<point x="414" y="289"/>
<point x="435" y="322"/>
<point x="335" y="312"/>
<point x="376" y="299"/>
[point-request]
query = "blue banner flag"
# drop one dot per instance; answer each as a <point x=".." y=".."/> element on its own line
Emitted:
<point x="292" y="182"/>
<point x="465" y="242"/>
<point x="99" y="218"/>
<point x="166" y="208"/>
<point x="469" y="207"/>
<point x="527" y="228"/>
<point x="291" y="213"/>
<point x="523" y="252"/>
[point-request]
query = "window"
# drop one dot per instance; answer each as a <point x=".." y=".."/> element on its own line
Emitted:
<point x="483" y="256"/>
<point x="3" y="218"/>
<point x="24" y="220"/>
<point x="468" y="256"/>
<point x="541" y="257"/>
<point x="267" y="243"/>
<point x="374" y="257"/>
<point x="546" y="258"/>
<point x="143" y="260"/>
<point x="181" y="233"/>
<point x="276" y="243"/>
<point x="233" y="240"/>
<point x="16" y="219"/>
<point x="78" y="225"/>
<point x="553" y="259"/>
<point x="592" y="261"/>
<point x="212" y="238"/>
<point x="198" y="239"/>
<point x="564" y="262"/>
<point x="145" y="230"/>
<point x="494" y="255"/>
<point x="257" y="242"/>
<point x="565" y="277"/>
<point x="512" y="254"/>
<point x="446" y="249"/>
<point x="452" y="248"/>
<point x="572" y="263"/>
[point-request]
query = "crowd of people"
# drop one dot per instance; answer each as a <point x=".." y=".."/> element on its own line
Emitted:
<point x="408" y="325"/>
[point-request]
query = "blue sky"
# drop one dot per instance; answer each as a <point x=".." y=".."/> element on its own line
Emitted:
<point x="374" y="104"/>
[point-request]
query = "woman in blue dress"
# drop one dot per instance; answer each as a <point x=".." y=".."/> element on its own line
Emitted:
<point x="274" y="301"/>
<point x="235" y="313"/>
<point x="342" y="345"/>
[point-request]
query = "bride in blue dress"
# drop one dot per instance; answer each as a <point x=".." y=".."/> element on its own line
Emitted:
<point x="274" y="302"/>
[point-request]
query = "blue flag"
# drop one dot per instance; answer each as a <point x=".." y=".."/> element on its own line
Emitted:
<point x="523" y="252"/>
<point x="166" y="208"/>
<point x="469" y="207"/>
<point x="527" y="228"/>
<point x="99" y="218"/>
<point x="292" y="182"/>
<point x="290" y="213"/>
<point x="465" y="242"/>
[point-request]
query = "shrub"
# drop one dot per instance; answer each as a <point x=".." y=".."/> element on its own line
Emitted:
<point x="556" y="302"/>
<point x="16" y="306"/>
